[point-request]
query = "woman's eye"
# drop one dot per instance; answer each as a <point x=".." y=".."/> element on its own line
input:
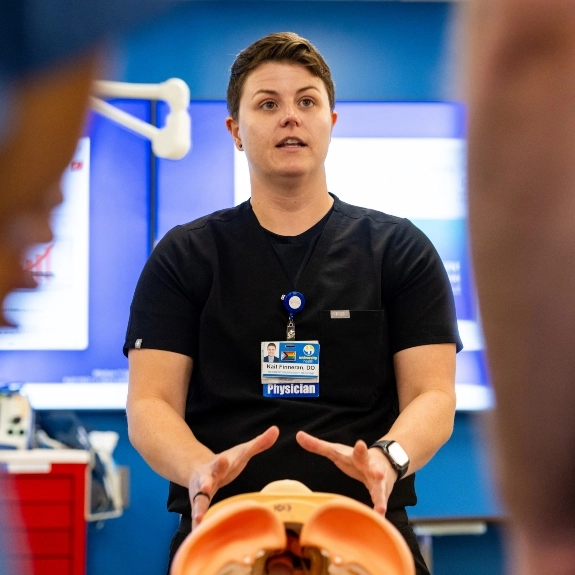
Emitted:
<point x="268" y="105"/>
<point x="307" y="102"/>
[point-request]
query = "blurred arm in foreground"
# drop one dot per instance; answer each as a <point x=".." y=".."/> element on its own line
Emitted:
<point x="522" y="214"/>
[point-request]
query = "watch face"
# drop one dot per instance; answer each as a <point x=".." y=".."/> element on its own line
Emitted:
<point x="398" y="454"/>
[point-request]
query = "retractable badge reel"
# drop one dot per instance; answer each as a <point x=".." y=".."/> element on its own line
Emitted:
<point x="294" y="302"/>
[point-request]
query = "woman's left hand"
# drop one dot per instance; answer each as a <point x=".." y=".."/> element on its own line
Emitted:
<point x="370" y="466"/>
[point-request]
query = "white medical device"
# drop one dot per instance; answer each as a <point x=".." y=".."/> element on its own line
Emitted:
<point x="173" y="141"/>
<point x="16" y="421"/>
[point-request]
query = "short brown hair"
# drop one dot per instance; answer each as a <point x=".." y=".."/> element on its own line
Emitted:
<point x="278" y="47"/>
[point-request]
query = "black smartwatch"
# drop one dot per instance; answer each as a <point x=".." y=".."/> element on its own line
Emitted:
<point x="395" y="454"/>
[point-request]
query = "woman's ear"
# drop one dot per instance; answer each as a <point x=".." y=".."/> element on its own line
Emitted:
<point x="234" y="129"/>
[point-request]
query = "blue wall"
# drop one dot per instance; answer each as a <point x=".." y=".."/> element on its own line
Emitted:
<point x="377" y="51"/>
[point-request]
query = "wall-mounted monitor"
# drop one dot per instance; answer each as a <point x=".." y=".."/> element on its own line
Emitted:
<point x="406" y="159"/>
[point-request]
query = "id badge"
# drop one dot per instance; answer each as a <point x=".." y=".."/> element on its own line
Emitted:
<point x="290" y="368"/>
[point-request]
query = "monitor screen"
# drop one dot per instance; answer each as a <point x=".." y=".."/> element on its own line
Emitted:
<point x="405" y="159"/>
<point x="54" y="316"/>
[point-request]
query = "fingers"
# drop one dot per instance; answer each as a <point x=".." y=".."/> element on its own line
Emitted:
<point x="306" y="440"/>
<point x="223" y="469"/>
<point x="240" y="455"/>
<point x="200" y="505"/>
<point x="360" y="451"/>
<point x="379" y="503"/>
<point x="204" y="486"/>
<point x="341" y="455"/>
<point x="209" y="477"/>
<point x="378" y="496"/>
<point x="357" y="462"/>
<point x="263" y="441"/>
<point x="245" y="451"/>
<point x="315" y="445"/>
<point x="380" y="481"/>
<point x="371" y="467"/>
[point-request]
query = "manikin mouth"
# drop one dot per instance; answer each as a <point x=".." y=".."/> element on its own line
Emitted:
<point x="291" y="143"/>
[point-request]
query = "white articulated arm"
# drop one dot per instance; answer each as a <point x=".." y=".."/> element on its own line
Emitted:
<point x="173" y="141"/>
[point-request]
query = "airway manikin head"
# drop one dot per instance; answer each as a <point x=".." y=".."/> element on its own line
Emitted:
<point x="288" y="530"/>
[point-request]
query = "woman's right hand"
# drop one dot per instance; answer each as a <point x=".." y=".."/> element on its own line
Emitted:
<point x="223" y="469"/>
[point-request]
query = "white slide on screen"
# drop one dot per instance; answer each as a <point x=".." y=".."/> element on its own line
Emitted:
<point x="415" y="178"/>
<point x="54" y="316"/>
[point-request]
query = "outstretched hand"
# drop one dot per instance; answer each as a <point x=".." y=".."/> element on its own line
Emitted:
<point x="366" y="465"/>
<point x="223" y="469"/>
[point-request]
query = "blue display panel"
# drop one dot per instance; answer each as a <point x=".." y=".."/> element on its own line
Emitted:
<point x="116" y="250"/>
<point x="406" y="159"/>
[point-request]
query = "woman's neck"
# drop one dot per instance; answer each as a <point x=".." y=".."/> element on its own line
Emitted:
<point x="290" y="215"/>
<point x="292" y="208"/>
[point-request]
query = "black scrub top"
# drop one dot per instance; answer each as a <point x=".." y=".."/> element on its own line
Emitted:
<point x="212" y="290"/>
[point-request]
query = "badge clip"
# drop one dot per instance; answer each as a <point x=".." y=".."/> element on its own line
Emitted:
<point x="294" y="302"/>
<point x="290" y="331"/>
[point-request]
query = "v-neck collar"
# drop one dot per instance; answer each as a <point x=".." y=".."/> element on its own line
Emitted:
<point x="315" y="262"/>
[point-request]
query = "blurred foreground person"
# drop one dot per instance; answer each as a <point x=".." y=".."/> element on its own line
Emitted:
<point x="48" y="61"/>
<point x="47" y="113"/>
<point x="522" y="214"/>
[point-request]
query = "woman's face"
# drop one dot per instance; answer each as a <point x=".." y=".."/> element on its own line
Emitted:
<point x="284" y="122"/>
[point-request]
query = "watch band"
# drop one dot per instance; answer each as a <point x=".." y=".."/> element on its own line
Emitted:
<point x="384" y="446"/>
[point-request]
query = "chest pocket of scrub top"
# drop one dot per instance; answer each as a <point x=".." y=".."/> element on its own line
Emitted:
<point x="354" y="357"/>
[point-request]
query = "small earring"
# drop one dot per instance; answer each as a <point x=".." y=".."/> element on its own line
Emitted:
<point x="240" y="146"/>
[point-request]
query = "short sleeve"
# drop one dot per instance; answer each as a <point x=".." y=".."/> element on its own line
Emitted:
<point x="164" y="312"/>
<point x="418" y="294"/>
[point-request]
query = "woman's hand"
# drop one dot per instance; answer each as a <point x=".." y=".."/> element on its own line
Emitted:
<point x="370" y="466"/>
<point x="223" y="469"/>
